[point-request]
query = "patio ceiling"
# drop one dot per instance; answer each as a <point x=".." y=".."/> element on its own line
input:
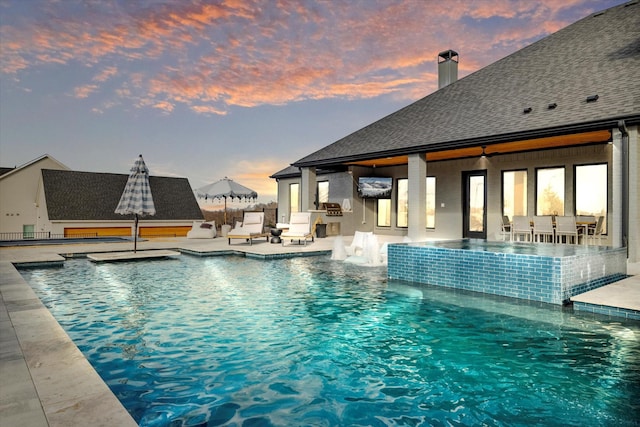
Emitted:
<point x="561" y="141"/>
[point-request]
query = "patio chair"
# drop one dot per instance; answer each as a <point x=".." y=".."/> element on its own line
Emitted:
<point x="543" y="229"/>
<point x="252" y="227"/>
<point x="521" y="227"/>
<point x="595" y="233"/>
<point x="505" y="228"/>
<point x="299" y="228"/>
<point x="566" y="227"/>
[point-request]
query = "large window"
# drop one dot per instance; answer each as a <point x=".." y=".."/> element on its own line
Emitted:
<point x="514" y="193"/>
<point x="591" y="191"/>
<point x="294" y="198"/>
<point x="431" y="202"/>
<point x="323" y="191"/>
<point x="550" y="191"/>
<point x="384" y="213"/>
<point x="402" y="207"/>
<point x="403" y="202"/>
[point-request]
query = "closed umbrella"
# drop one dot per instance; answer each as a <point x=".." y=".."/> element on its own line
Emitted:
<point x="136" y="198"/>
<point x="226" y="188"/>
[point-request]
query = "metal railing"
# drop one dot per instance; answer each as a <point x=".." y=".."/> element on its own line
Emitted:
<point x="41" y="235"/>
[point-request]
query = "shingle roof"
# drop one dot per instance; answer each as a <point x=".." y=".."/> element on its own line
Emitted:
<point x="80" y="196"/>
<point x="289" y="171"/>
<point x="599" y="54"/>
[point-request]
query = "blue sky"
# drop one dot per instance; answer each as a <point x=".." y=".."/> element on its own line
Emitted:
<point x="237" y="88"/>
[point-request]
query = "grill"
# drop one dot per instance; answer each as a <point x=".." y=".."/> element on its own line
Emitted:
<point x="333" y="209"/>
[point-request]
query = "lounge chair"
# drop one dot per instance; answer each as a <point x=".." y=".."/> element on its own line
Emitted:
<point x="252" y="227"/>
<point x="299" y="228"/>
<point x="202" y="230"/>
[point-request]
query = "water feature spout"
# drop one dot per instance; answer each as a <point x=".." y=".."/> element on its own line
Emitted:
<point x="339" y="252"/>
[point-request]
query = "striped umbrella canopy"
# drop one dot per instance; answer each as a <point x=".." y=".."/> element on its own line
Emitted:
<point x="226" y="188"/>
<point x="136" y="198"/>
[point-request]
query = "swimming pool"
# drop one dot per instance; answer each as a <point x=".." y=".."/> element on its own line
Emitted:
<point x="308" y="341"/>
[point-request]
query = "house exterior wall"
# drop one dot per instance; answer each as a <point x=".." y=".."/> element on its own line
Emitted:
<point x="448" y="174"/>
<point x="19" y="201"/>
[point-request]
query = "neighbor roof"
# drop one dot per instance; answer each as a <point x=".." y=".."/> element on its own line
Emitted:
<point x="598" y="55"/>
<point x="90" y="196"/>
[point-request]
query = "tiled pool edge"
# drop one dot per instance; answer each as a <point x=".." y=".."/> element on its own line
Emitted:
<point x="549" y="278"/>
<point x="584" y="307"/>
<point x="59" y="386"/>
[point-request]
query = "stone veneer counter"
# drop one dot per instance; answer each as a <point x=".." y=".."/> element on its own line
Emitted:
<point x="533" y="271"/>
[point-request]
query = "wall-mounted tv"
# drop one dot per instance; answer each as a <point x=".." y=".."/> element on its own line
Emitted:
<point x="375" y="187"/>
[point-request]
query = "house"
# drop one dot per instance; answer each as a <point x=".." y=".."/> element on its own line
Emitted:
<point x="62" y="202"/>
<point x="550" y="130"/>
<point x="18" y="189"/>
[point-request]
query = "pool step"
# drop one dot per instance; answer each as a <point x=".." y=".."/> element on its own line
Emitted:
<point x="128" y="256"/>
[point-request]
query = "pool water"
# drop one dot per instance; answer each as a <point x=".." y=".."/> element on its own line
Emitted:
<point x="310" y="341"/>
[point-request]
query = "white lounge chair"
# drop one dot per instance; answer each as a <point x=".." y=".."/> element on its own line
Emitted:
<point x="202" y="230"/>
<point x="299" y="228"/>
<point x="252" y="227"/>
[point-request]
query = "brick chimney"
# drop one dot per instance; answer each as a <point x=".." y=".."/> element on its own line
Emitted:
<point x="447" y="68"/>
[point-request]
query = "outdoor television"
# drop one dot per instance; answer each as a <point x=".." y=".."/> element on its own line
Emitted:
<point x="375" y="187"/>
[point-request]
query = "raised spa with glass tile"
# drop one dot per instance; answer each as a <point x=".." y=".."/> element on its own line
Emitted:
<point x="310" y="341"/>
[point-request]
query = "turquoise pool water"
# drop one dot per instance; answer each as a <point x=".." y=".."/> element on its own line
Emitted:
<point x="309" y="341"/>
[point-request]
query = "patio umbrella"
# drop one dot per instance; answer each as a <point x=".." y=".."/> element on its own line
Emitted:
<point x="226" y="188"/>
<point x="136" y="198"/>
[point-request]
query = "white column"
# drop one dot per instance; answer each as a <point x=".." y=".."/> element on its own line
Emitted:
<point x="634" y="194"/>
<point x="614" y="224"/>
<point x="417" y="174"/>
<point x="308" y="189"/>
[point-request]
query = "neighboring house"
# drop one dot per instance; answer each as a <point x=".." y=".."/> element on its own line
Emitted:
<point x="54" y="200"/>
<point x="549" y="130"/>
<point x="19" y="187"/>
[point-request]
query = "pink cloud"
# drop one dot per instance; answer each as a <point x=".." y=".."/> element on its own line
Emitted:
<point x="209" y="57"/>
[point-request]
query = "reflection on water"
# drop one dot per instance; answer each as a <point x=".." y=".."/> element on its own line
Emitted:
<point x="309" y="341"/>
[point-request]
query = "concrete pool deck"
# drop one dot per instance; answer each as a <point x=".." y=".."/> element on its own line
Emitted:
<point x="46" y="381"/>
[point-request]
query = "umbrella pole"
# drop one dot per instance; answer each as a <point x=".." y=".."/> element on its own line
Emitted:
<point x="135" y="234"/>
<point x="225" y="210"/>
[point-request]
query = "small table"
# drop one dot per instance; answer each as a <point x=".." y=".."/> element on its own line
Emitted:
<point x="275" y="233"/>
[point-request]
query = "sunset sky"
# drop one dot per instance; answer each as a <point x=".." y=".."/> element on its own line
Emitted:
<point x="237" y="88"/>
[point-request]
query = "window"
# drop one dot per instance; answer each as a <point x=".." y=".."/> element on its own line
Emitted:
<point x="514" y="193"/>
<point x="384" y="213"/>
<point x="403" y="202"/>
<point x="323" y="191"/>
<point x="294" y="198"/>
<point x="591" y="191"/>
<point x="550" y="191"/>
<point x="431" y="202"/>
